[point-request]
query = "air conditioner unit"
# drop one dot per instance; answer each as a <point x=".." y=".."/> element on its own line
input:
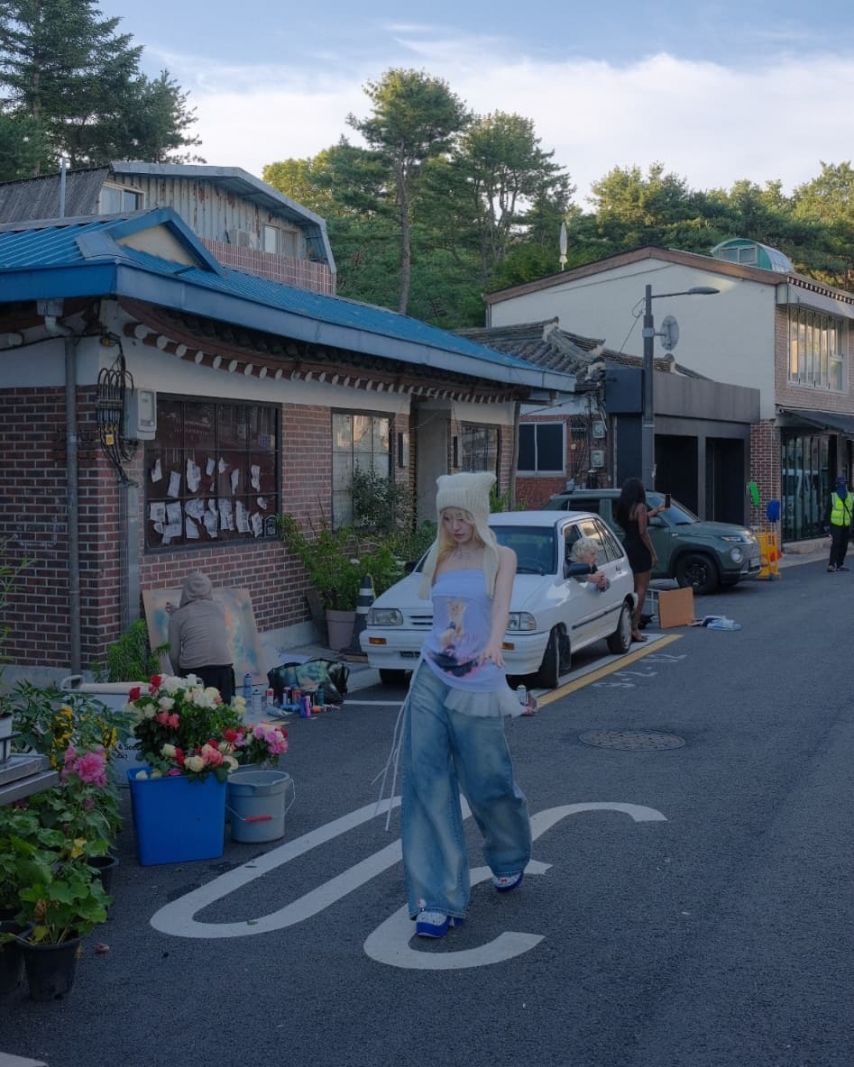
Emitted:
<point x="597" y="458"/>
<point x="598" y="430"/>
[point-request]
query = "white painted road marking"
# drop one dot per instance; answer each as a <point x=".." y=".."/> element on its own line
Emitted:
<point x="389" y="943"/>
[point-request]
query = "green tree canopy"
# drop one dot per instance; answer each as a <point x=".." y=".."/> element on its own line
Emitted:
<point x="70" y="72"/>
<point x="414" y="118"/>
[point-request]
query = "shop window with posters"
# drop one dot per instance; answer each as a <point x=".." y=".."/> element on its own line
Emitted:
<point x="212" y="473"/>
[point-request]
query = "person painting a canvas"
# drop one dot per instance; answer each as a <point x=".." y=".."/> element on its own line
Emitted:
<point x="198" y="641"/>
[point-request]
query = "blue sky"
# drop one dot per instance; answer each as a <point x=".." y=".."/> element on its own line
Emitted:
<point x="715" y="91"/>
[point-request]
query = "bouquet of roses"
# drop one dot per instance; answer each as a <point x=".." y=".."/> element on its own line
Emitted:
<point x="184" y="728"/>
<point x="262" y="744"/>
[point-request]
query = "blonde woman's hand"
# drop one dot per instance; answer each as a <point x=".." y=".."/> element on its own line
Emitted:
<point x="493" y="654"/>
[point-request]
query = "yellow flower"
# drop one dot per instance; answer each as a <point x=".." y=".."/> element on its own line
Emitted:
<point x="77" y="847"/>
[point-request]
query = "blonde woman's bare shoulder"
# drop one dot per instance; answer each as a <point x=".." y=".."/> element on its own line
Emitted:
<point x="506" y="556"/>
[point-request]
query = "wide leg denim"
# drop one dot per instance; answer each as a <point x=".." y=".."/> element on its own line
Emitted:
<point x="444" y="751"/>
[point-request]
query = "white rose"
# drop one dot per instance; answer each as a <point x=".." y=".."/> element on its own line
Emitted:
<point x="148" y="712"/>
<point x="194" y="763"/>
<point x="156" y="774"/>
<point x="169" y="751"/>
<point x="230" y="763"/>
<point x="141" y="776"/>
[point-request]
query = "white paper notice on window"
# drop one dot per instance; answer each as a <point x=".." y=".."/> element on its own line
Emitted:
<point x="157" y="472"/>
<point x="226" y="517"/>
<point x="173" y="513"/>
<point x="173" y="529"/>
<point x="157" y="512"/>
<point x="255" y="476"/>
<point x="174" y="484"/>
<point x="262" y="503"/>
<point x="257" y="524"/>
<point x="222" y="466"/>
<point x="212" y="523"/>
<point x="242" y="516"/>
<point x="195" y="508"/>
<point x="190" y="528"/>
<point x="210" y="468"/>
<point x="194" y="475"/>
<point x="235" y="480"/>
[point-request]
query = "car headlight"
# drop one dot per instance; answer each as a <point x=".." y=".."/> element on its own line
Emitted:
<point x="385" y="617"/>
<point x="736" y="555"/>
<point x="521" y="620"/>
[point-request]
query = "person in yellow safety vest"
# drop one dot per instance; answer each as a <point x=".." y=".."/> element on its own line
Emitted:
<point x="839" y="520"/>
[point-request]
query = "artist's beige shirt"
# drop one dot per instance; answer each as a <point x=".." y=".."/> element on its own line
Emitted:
<point x="197" y="636"/>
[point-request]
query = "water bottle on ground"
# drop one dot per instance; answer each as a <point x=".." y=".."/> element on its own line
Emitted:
<point x="247" y="688"/>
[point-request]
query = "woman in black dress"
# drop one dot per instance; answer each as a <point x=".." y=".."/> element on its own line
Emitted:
<point x="633" y="515"/>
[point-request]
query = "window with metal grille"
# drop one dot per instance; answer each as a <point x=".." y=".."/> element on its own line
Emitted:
<point x="479" y="448"/>
<point x="358" y="440"/>
<point x="211" y="473"/>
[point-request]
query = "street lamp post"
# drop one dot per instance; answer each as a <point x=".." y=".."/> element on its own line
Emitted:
<point x="648" y="421"/>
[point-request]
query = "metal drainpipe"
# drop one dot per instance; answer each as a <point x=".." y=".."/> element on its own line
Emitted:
<point x="51" y="313"/>
<point x="514" y="459"/>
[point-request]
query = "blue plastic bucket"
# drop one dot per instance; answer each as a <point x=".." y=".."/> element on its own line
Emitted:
<point x="256" y="804"/>
<point x="177" y="819"/>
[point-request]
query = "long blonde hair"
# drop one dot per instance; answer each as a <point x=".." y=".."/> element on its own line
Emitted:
<point x="443" y="546"/>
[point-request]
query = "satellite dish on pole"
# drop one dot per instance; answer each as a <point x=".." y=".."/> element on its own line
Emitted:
<point x="669" y="333"/>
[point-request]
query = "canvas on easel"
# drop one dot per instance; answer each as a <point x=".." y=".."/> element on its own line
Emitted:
<point x="243" y="638"/>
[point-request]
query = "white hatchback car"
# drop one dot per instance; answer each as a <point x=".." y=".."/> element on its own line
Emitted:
<point x="551" y="616"/>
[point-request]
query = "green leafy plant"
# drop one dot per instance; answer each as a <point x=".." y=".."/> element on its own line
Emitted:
<point x="330" y="558"/>
<point x="50" y="719"/>
<point x="130" y="658"/>
<point x="84" y="806"/>
<point x="23" y="842"/>
<point x="380" y="504"/>
<point x="65" y="900"/>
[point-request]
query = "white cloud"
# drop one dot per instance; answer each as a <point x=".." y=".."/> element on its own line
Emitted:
<point x="708" y="123"/>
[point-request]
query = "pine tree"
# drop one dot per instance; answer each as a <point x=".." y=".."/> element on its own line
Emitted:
<point x="70" y="72"/>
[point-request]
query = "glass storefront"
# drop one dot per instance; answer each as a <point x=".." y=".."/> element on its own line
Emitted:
<point x="806" y="484"/>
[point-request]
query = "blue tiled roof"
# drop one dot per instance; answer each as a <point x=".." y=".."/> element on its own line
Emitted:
<point x="72" y="244"/>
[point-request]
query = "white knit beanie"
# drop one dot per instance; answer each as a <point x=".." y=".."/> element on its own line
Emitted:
<point x="468" y="492"/>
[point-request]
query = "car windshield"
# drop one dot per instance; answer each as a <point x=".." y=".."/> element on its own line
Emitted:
<point x="676" y="515"/>
<point x="534" y="547"/>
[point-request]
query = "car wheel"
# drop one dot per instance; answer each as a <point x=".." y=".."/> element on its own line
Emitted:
<point x="395" y="678"/>
<point x="548" y="676"/>
<point x="620" y="640"/>
<point x="698" y="572"/>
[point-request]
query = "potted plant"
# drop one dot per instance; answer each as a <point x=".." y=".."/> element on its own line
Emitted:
<point x="337" y="561"/>
<point x="63" y="903"/>
<point x="186" y="738"/>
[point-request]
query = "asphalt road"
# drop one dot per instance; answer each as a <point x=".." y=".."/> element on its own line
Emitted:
<point x="705" y="923"/>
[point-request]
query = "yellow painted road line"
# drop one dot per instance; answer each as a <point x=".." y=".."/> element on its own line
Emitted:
<point x="602" y="672"/>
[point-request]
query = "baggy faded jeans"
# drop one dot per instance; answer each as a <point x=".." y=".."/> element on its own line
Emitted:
<point x="444" y="752"/>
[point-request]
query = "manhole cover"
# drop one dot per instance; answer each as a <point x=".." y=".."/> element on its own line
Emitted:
<point x="630" y="739"/>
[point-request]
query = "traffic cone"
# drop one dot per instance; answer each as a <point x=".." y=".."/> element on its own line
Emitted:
<point x="363" y="603"/>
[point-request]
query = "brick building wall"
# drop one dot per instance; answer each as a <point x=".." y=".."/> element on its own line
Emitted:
<point x="33" y="526"/>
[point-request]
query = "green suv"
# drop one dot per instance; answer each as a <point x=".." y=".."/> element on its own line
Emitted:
<point x="704" y="555"/>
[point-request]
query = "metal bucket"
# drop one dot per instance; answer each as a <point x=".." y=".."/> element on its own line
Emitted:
<point x="256" y="804"/>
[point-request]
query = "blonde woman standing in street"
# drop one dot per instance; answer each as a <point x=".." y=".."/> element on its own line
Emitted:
<point x="453" y="733"/>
